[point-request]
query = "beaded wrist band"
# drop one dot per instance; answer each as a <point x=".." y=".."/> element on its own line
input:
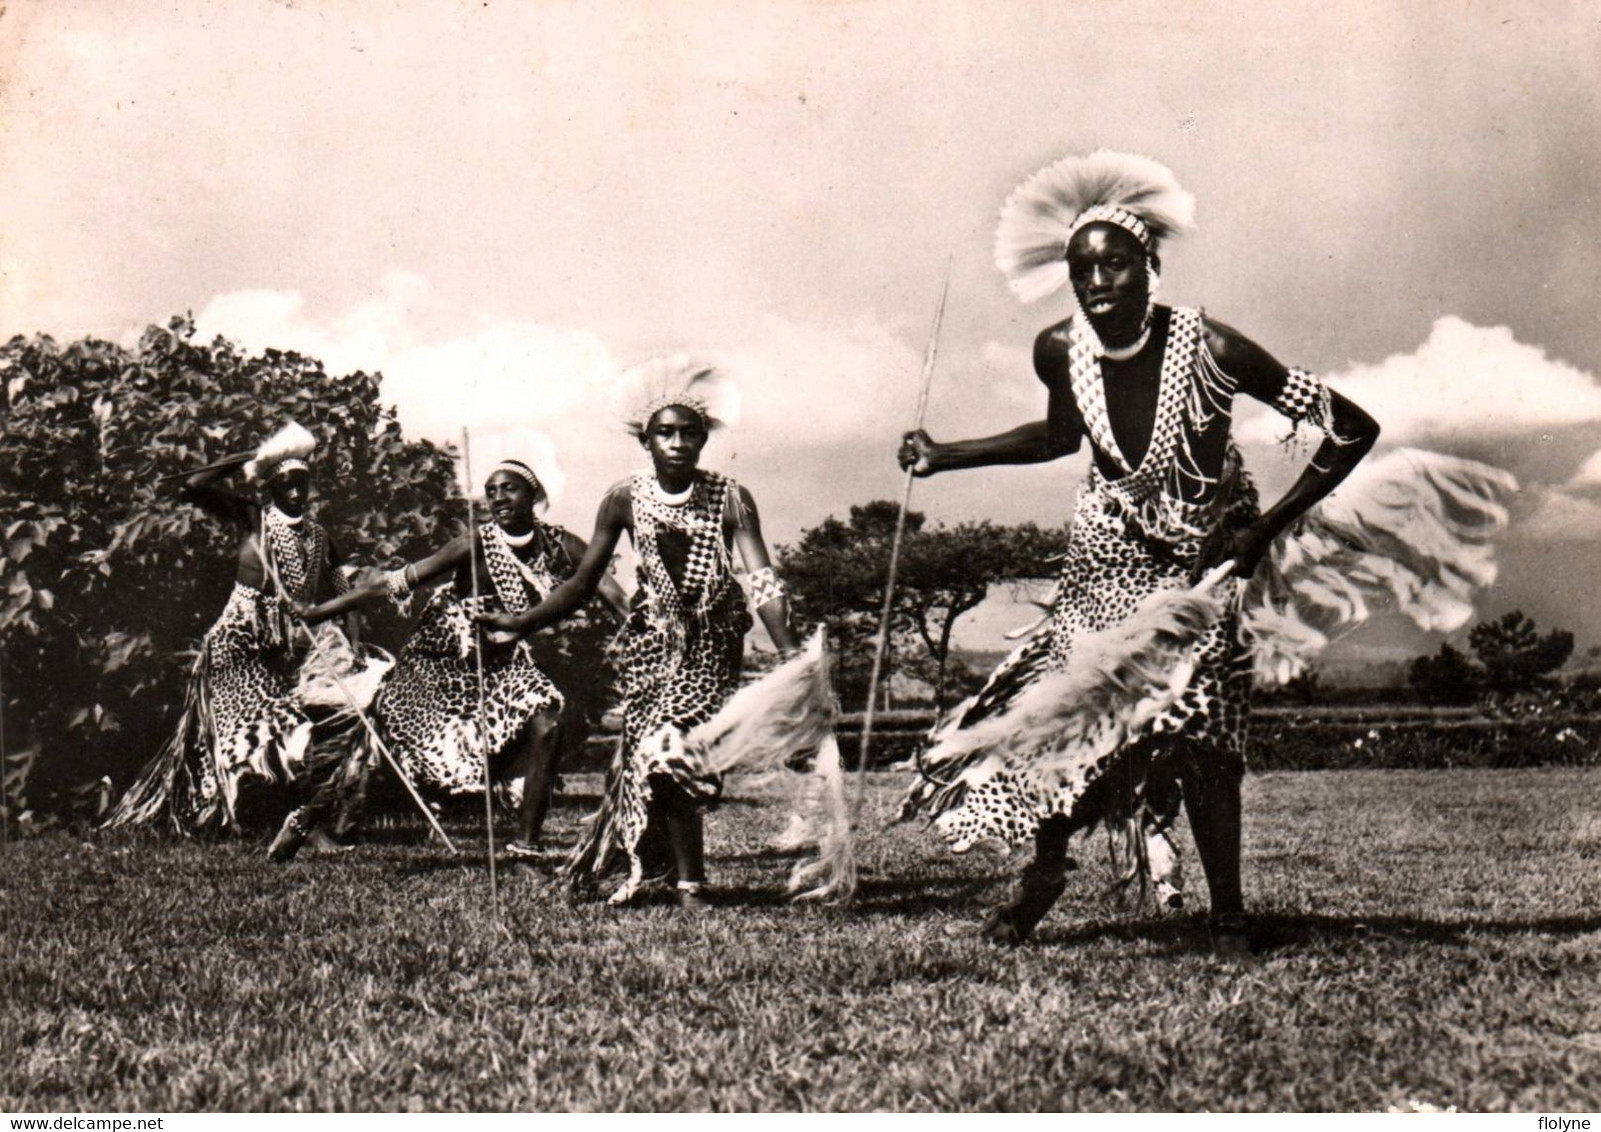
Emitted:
<point x="398" y="582"/>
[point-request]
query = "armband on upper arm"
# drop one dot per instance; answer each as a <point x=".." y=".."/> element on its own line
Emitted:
<point x="765" y="586"/>
<point x="1304" y="398"/>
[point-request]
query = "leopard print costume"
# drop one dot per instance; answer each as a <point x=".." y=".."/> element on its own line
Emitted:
<point x="680" y="654"/>
<point x="428" y="704"/>
<point x="240" y="721"/>
<point x="1133" y="534"/>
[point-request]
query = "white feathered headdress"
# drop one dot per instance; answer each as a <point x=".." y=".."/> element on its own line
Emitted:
<point x="1039" y="218"/>
<point x="518" y="451"/>
<point x="288" y="448"/>
<point x="676" y="380"/>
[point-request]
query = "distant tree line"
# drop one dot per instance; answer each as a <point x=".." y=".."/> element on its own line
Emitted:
<point x="837" y="570"/>
<point x="1509" y="657"/>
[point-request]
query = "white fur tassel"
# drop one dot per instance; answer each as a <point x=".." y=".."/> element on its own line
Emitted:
<point x="788" y="712"/>
<point x="1116" y="681"/>
<point x="337" y="662"/>
<point x="292" y="442"/>
<point x="1412" y="529"/>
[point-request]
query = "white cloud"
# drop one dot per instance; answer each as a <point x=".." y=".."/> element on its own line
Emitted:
<point x="515" y="385"/>
<point x="363" y="337"/>
<point x="1560" y="517"/>
<point x="1589" y="473"/>
<point x="504" y="376"/>
<point x="1465" y="381"/>
<point x="804" y="383"/>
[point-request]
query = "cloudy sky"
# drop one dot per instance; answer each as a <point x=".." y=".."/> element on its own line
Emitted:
<point x="500" y="204"/>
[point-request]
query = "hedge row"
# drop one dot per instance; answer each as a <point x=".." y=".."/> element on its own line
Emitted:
<point x="1289" y="742"/>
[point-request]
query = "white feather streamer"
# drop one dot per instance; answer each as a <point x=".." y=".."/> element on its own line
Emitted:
<point x="790" y="712"/>
<point x="336" y="661"/>
<point x="1411" y="530"/>
<point x="1115" y="682"/>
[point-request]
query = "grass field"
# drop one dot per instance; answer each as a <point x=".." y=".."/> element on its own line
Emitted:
<point x="1430" y="938"/>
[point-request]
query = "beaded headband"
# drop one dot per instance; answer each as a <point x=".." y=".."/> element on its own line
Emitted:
<point x="284" y="467"/>
<point x="1042" y="214"/>
<point x="1112" y="214"/>
<point x="522" y="471"/>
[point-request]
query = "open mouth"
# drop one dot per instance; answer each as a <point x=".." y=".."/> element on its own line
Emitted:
<point x="1101" y="306"/>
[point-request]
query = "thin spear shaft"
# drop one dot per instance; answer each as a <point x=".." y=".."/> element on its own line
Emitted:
<point x="226" y="462"/>
<point x="478" y="660"/>
<point x="5" y="768"/>
<point x="881" y="643"/>
<point x="350" y="698"/>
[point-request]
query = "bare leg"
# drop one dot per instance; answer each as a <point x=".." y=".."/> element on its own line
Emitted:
<point x="687" y="837"/>
<point x="1212" y="799"/>
<point x="339" y="792"/>
<point x="1042" y="882"/>
<point x="540" y="775"/>
<point x="1045" y="877"/>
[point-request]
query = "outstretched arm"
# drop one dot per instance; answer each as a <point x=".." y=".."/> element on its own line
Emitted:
<point x="440" y="564"/>
<point x="1059" y="434"/>
<point x="767" y="591"/>
<point x="610" y="592"/>
<point x="610" y="522"/>
<point x="201" y="489"/>
<point x="1348" y="435"/>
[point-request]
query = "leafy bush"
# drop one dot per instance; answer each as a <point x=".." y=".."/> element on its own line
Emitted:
<point x="109" y="580"/>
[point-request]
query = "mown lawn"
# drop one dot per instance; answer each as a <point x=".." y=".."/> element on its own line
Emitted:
<point x="1431" y="938"/>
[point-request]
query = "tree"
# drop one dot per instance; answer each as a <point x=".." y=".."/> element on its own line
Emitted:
<point x="1512" y="659"/>
<point x="1514" y="655"/>
<point x="836" y="573"/>
<point x="1447" y="677"/>
<point x="108" y="579"/>
<point x="1305" y="688"/>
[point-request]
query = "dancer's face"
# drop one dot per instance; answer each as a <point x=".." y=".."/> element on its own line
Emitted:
<point x="1107" y="267"/>
<point x="674" y="440"/>
<point x="511" y="501"/>
<point x="290" y="492"/>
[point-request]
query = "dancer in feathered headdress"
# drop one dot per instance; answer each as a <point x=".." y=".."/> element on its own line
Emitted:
<point x="242" y="718"/>
<point x="428" y="707"/>
<point x="1135" y="691"/>
<point x="675" y="381"/>
<point x="681" y="652"/>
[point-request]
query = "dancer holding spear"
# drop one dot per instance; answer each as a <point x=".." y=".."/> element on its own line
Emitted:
<point x="682" y="645"/>
<point x="1152" y="389"/>
<point x="455" y="702"/>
